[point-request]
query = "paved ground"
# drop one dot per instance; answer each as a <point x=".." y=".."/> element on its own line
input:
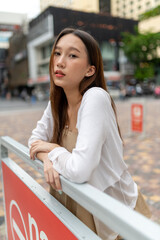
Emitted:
<point x="141" y="153"/>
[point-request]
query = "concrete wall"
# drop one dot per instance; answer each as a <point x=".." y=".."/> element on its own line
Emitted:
<point x="150" y="25"/>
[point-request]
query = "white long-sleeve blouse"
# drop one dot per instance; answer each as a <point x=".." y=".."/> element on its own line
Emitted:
<point x="98" y="155"/>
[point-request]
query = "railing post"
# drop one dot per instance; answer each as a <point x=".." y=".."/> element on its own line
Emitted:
<point x="3" y="150"/>
<point x="3" y="154"/>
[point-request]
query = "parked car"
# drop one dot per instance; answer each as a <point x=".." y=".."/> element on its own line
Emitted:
<point x="157" y="91"/>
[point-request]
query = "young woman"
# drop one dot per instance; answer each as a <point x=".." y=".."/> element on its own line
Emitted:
<point x="78" y="135"/>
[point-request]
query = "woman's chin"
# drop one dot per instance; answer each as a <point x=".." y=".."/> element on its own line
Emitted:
<point x="58" y="83"/>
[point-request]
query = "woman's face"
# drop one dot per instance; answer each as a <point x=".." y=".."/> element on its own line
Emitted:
<point x="71" y="63"/>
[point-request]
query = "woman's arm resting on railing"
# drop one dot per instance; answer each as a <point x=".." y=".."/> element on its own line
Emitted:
<point x="51" y="175"/>
<point x="41" y="146"/>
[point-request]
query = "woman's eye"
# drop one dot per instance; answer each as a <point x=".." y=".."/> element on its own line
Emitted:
<point x="72" y="56"/>
<point x="57" y="53"/>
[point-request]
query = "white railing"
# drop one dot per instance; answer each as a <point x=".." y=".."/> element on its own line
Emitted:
<point x="128" y="223"/>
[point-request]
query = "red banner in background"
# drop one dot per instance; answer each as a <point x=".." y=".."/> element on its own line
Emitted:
<point x="137" y="117"/>
<point x="27" y="216"/>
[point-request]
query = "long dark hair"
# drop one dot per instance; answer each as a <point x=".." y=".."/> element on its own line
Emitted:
<point x="57" y="96"/>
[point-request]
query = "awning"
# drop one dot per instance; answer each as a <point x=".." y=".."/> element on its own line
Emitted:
<point x="112" y="75"/>
<point x="39" y="80"/>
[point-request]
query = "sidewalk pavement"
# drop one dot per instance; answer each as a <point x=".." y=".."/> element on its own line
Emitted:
<point x="141" y="152"/>
<point x="17" y="104"/>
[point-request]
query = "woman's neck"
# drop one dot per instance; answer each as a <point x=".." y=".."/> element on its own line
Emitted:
<point x="73" y="99"/>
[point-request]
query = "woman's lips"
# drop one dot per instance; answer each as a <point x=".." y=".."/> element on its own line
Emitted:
<point x="59" y="74"/>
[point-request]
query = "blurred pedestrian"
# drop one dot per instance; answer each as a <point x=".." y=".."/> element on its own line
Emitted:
<point x="24" y="95"/>
<point x="139" y="90"/>
<point x="78" y="135"/>
<point x="4" y="87"/>
<point x="122" y="92"/>
<point x="33" y="96"/>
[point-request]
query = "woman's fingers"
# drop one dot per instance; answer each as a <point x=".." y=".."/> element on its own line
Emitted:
<point x="51" y="175"/>
<point x="57" y="180"/>
<point x="33" y="152"/>
<point x="38" y="146"/>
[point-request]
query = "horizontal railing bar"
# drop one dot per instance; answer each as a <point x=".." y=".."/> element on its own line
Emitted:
<point x="22" y="152"/>
<point x="128" y="223"/>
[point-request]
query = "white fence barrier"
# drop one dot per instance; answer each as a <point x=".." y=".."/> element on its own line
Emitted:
<point x="129" y="224"/>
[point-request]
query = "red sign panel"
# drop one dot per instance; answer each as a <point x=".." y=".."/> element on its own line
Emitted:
<point x="137" y="117"/>
<point x="27" y="216"/>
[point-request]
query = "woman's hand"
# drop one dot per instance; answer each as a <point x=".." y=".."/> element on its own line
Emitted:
<point x="41" y="146"/>
<point x="41" y="149"/>
<point x="51" y="175"/>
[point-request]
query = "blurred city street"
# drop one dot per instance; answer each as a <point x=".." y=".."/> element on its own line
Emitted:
<point x="141" y="152"/>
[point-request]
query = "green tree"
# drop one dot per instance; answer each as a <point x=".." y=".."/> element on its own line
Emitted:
<point x="151" y="13"/>
<point x="141" y="50"/>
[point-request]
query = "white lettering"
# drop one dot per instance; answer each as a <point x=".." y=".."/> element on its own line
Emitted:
<point x="17" y="230"/>
<point x="43" y="236"/>
<point x="21" y="231"/>
<point x="32" y="222"/>
<point x="13" y="221"/>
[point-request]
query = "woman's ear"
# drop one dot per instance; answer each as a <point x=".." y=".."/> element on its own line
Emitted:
<point x="91" y="71"/>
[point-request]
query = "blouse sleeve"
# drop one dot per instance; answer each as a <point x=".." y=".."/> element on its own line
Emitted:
<point x="44" y="128"/>
<point x="92" y="124"/>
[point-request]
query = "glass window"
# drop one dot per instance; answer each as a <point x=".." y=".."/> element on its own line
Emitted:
<point x="43" y="69"/>
<point x="46" y="51"/>
<point x="43" y="52"/>
<point x="108" y="55"/>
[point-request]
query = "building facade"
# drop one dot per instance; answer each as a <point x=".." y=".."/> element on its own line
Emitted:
<point x="10" y="23"/>
<point x="150" y="25"/>
<point x="95" y="6"/>
<point x="132" y="8"/>
<point x="17" y="61"/>
<point x="83" y="5"/>
<point x="44" y="29"/>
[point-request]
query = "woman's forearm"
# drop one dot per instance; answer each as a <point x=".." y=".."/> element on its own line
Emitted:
<point x="42" y="156"/>
<point x="40" y="146"/>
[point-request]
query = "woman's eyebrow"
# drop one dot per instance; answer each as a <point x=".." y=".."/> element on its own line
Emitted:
<point x="70" y="48"/>
<point x="73" y="48"/>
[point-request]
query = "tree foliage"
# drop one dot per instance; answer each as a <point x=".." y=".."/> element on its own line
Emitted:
<point x="141" y="50"/>
<point x="151" y="13"/>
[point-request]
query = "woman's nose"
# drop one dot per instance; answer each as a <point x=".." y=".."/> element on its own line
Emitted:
<point x="61" y="62"/>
